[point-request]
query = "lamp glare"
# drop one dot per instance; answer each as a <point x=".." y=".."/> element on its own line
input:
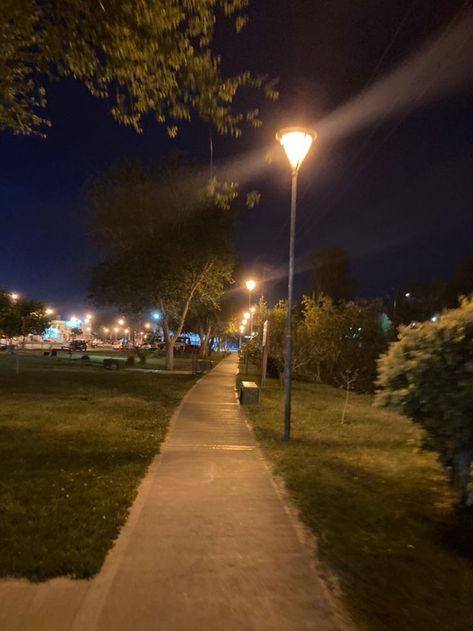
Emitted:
<point x="296" y="142"/>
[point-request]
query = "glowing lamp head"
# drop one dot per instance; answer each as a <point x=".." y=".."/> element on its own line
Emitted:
<point x="253" y="309"/>
<point x="105" y="329"/>
<point x="116" y="329"/>
<point x="121" y="322"/>
<point x="244" y="322"/>
<point x="14" y="296"/>
<point x="242" y="329"/>
<point x="246" y="315"/>
<point x="296" y="142"/>
<point x="250" y="284"/>
<point x="147" y="325"/>
<point x="49" y="311"/>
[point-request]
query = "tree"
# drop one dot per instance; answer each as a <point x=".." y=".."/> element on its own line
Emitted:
<point x="166" y="243"/>
<point x="428" y="376"/>
<point x="211" y="321"/>
<point x="141" y="56"/>
<point x="332" y="275"/>
<point x="461" y="283"/>
<point x="333" y="343"/>
<point x="417" y="302"/>
<point x="22" y="317"/>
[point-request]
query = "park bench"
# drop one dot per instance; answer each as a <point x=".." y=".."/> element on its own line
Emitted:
<point x="113" y="364"/>
<point x="249" y="393"/>
<point x="201" y="365"/>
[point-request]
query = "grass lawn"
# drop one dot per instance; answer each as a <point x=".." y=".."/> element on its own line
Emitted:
<point x="379" y="506"/>
<point x="155" y="361"/>
<point x="75" y="440"/>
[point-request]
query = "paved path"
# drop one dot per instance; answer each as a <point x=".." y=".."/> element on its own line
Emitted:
<point x="209" y="545"/>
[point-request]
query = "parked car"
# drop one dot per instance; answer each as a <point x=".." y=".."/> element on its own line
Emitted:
<point x="77" y="345"/>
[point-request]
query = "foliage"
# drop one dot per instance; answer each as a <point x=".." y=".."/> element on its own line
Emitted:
<point x="22" y="317"/>
<point x="141" y="56"/>
<point x="428" y="376"/>
<point x="166" y="243"/>
<point x="250" y="349"/>
<point x="332" y="275"/>
<point x="332" y="342"/>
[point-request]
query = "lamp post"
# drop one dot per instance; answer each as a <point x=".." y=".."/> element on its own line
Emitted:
<point x="296" y="142"/>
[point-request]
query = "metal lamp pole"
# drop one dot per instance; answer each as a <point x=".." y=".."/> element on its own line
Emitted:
<point x="296" y="142"/>
<point x="288" y="351"/>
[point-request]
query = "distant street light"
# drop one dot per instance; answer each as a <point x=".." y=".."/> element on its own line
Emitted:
<point x="14" y="296"/>
<point x="147" y="325"/>
<point x="246" y="315"/>
<point x="49" y="311"/>
<point x="296" y="142"/>
<point x="121" y="322"/>
<point x="250" y="285"/>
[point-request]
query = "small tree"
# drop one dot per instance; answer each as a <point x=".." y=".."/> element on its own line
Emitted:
<point x="428" y="376"/>
<point x="23" y="317"/>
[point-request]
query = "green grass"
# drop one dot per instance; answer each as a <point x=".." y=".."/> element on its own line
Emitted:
<point x="75" y="441"/>
<point x="379" y="506"/>
<point x="154" y="361"/>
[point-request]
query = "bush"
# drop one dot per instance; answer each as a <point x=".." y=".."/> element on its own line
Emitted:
<point x="330" y="341"/>
<point x="428" y="376"/>
<point x="251" y="347"/>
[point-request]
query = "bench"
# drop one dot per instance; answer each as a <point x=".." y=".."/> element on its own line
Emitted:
<point x="249" y="393"/>
<point x="113" y="364"/>
<point x="201" y="365"/>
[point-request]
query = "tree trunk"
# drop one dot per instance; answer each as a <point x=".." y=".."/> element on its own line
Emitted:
<point x="169" y="341"/>
<point x="170" y="355"/>
<point x="462" y="477"/>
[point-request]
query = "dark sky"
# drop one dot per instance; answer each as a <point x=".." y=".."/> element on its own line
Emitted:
<point x="398" y="194"/>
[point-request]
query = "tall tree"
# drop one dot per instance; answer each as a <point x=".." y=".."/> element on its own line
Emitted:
<point x="332" y="274"/>
<point x="461" y="283"/>
<point x="166" y="243"/>
<point x="141" y="56"/>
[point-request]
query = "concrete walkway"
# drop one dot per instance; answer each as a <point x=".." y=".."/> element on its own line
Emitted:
<point x="210" y="543"/>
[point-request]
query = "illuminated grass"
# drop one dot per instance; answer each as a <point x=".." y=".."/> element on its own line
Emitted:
<point x="380" y="508"/>
<point x="74" y="443"/>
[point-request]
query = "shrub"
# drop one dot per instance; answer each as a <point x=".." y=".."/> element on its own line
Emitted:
<point x="428" y="376"/>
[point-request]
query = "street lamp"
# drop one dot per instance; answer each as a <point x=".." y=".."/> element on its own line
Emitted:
<point x="252" y="313"/>
<point x="296" y="142"/>
<point x="49" y="311"/>
<point x="121" y="322"/>
<point x="250" y="285"/>
<point x="14" y="296"/>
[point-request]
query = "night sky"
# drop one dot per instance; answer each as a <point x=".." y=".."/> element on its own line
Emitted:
<point x="397" y="194"/>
